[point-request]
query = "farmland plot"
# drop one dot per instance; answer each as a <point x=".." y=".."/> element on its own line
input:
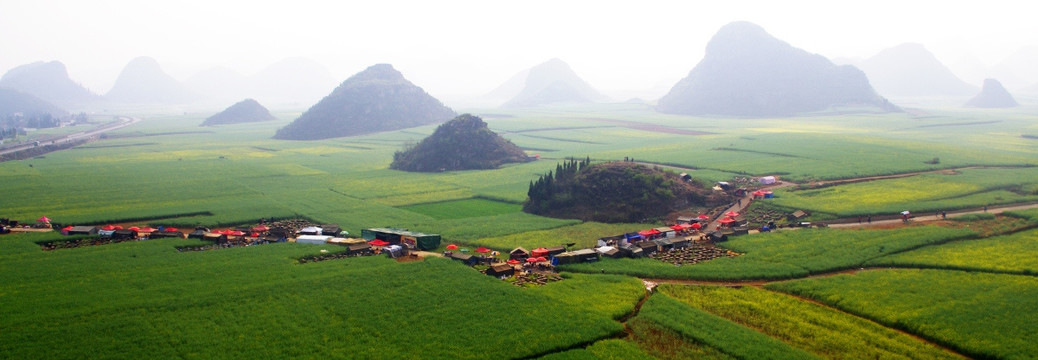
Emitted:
<point x="978" y="314"/>
<point x="1007" y="254"/>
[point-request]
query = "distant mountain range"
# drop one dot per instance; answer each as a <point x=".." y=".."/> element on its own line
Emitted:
<point x="747" y="72"/>
<point x="143" y="81"/>
<point x="244" y="111"/>
<point x="909" y="70"/>
<point x="376" y="99"/>
<point x="993" y="95"/>
<point x="551" y="82"/>
<point x="14" y="101"/>
<point x="48" y="81"/>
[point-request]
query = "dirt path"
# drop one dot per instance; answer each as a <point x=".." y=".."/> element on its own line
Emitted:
<point x="849" y="223"/>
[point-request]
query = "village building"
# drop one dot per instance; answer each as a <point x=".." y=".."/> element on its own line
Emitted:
<point x="413" y="240"/>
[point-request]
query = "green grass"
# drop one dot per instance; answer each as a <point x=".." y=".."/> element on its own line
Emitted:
<point x="979" y="314"/>
<point x="818" y="329"/>
<point x="786" y="254"/>
<point x="928" y="193"/>
<point x="727" y="337"/>
<point x="127" y="299"/>
<point x="1012" y="254"/>
<point x="467" y="208"/>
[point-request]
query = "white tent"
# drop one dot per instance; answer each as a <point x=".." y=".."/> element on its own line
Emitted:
<point x="313" y="239"/>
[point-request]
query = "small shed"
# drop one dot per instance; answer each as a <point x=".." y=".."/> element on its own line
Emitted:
<point x="681" y="243"/>
<point x="362" y="248"/>
<point x="330" y="230"/>
<point x="687" y="220"/>
<point x="555" y="250"/>
<point x="197" y="234"/>
<point x="501" y="270"/>
<point x="717" y="236"/>
<point x="609" y="251"/>
<point x="394" y="251"/>
<point x="647" y="247"/>
<point x="632" y="251"/>
<point x="83" y="230"/>
<point x="105" y="233"/>
<point x="577" y="256"/>
<point x="465" y="258"/>
<point x="413" y="240"/>
<point x="519" y="254"/>
<point x="216" y="238"/>
<point x="166" y="234"/>
<point x="664" y="244"/>
<point x="666" y="231"/>
<point x="313" y="239"/>
<point x="799" y="214"/>
<point x="767" y="180"/>
<point x="125" y="234"/>
<point x="310" y="230"/>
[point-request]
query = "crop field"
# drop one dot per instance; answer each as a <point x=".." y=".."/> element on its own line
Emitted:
<point x="127" y="299"/>
<point x="258" y="302"/>
<point x="979" y="314"/>
<point x="817" y="329"/>
<point x="927" y="193"/>
<point x="1013" y="254"/>
<point x="725" y="336"/>
<point x="787" y="254"/>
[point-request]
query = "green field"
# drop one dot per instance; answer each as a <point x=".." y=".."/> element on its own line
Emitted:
<point x="817" y="329"/>
<point x="1012" y="254"/>
<point x="259" y="302"/>
<point x="136" y="299"/>
<point x="981" y="315"/>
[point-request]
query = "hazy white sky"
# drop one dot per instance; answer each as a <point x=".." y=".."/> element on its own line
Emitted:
<point x="453" y="48"/>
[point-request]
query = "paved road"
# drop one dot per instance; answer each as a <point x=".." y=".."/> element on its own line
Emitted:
<point x="124" y="121"/>
<point x="933" y="217"/>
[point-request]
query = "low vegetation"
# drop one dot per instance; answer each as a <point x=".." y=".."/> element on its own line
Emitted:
<point x="973" y="313"/>
<point x="1011" y="254"/>
<point x="464" y="143"/>
<point x="820" y="330"/>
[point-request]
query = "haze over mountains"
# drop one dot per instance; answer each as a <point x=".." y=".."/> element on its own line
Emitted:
<point x="748" y="72"/>
<point x="143" y="81"/>
<point x="48" y="81"/>
<point x="376" y="99"/>
<point x="551" y="82"/>
<point x="993" y="95"/>
<point x="909" y="70"/>
<point x="294" y="82"/>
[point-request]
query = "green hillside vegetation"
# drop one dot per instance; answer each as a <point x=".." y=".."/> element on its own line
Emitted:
<point x="247" y="110"/>
<point x="376" y="99"/>
<point x="464" y="143"/>
<point x="612" y="192"/>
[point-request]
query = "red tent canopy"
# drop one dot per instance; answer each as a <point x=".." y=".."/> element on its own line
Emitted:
<point x="758" y="193"/>
<point x="118" y="227"/>
<point x="697" y="226"/>
<point x="531" y="260"/>
<point x="67" y="228"/>
<point x="541" y="258"/>
<point x="731" y="214"/>
<point x="677" y="227"/>
<point x="108" y="228"/>
<point x="255" y="234"/>
<point x="482" y="250"/>
<point x="539" y="252"/>
<point x="171" y="229"/>
<point x="512" y="261"/>
<point x="235" y="233"/>
<point x="452" y="247"/>
<point x="378" y="242"/>
<point x="685" y="225"/>
<point x="703" y="216"/>
<point x="260" y="228"/>
<point x="148" y="229"/>
<point x="43" y="219"/>
<point x="134" y="228"/>
<point x="726" y="220"/>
